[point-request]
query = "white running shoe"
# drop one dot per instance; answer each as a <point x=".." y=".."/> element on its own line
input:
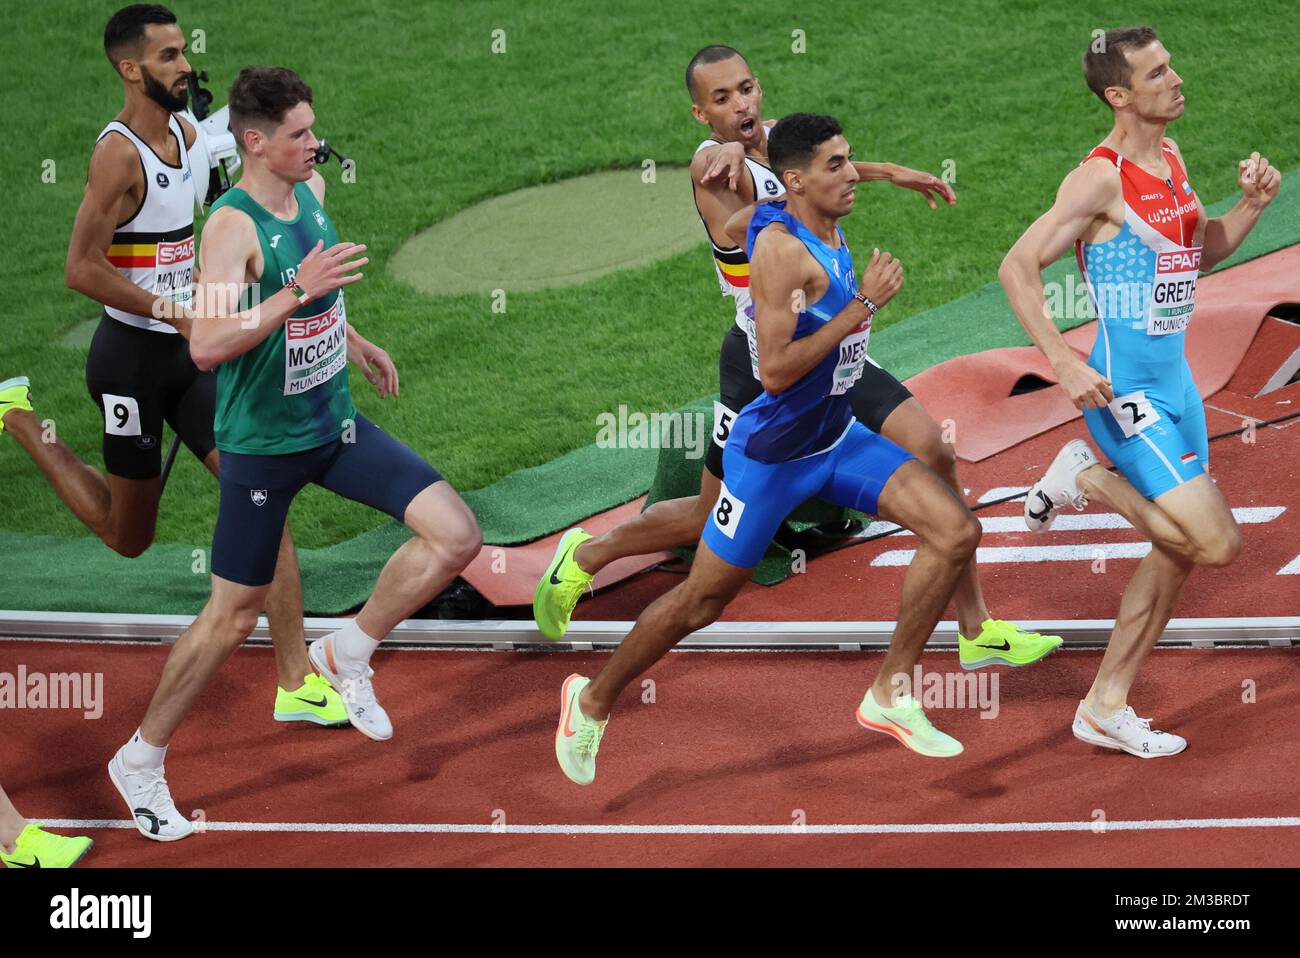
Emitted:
<point x="1059" y="486"/>
<point x="1126" y="732"/>
<point x="364" y="711"/>
<point x="146" y="794"/>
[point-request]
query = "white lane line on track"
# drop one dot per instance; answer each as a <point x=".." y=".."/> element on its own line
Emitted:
<point x="1079" y="553"/>
<point x="1291" y="568"/>
<point x="1249" y="515"/>
<point x="579" y="829"/>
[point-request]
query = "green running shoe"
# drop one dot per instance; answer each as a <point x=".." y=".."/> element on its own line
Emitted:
<point x="14" y="394"/>
<point x="316" y="701"/>
<point x="1004" y="642"/>
<point x="907" y="722"/>
<point x="37" y="848"/>
<point x="560" y="587"/>
<point x="577" y="738"/>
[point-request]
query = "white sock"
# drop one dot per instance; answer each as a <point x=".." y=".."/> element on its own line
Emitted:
<point x="140" y="754"/>
<point x="353" y="648"/>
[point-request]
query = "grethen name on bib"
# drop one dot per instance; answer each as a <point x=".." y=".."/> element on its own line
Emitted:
<point x="315" y="349"/>
<point x="1173" y="295"/>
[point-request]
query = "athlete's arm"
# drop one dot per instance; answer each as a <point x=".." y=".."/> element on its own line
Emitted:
<point x="720" y="169"/>
<point x="383" y="375"/>
<point x="737" y="228"/>
<point x="114" y="169"/>
<point x="783" y="277"/>
<point x="229" y="246"/>
<point x="1084" y="195"/>
<point x="1221" y="236"/>
<point x="924" y="183"/>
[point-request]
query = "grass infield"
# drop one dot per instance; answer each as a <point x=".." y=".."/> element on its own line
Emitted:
<point x="438" y="122"/>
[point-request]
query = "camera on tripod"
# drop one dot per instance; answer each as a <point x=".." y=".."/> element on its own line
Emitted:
<point x="214" y="157"/>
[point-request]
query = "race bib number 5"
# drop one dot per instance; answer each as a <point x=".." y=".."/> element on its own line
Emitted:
<point x="1134" y="413"/>
<point x="727" y="512"/>
<point x="722" y="420"/>
<point x="1173" y="295"/>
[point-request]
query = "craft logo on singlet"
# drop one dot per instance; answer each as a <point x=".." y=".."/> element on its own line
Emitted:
<point x="174" y="270"/>
<point x="315" y="349"/>
<point x="1173" y="295"/>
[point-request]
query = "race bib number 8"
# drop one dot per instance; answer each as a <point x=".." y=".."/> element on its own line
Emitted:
<point x="1134" y="413"/>
<point x="727" y="512"/>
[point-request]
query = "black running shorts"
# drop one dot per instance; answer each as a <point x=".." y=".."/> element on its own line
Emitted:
<point x="139" y="380"/>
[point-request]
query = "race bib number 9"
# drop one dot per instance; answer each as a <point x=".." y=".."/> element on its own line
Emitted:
<point x="1134" y="413"/>
<point x="1173" y="295"/>
<point x="174" y="271"/>
<point x="853" y="355"/>
<point x="315" y="349"/>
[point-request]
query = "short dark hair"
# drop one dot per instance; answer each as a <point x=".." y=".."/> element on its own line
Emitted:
<point x="261" y="96"/>
<point x="715" y="53"/>
<point x="795" y="138"/>
<point x="1110" y="66"/>
<point x="125" y="30"/>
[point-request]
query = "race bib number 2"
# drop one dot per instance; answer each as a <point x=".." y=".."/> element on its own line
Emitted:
<point x="1134" y="413"/>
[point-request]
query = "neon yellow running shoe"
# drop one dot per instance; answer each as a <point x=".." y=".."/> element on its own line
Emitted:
<point x="907" y="722"/>
<point x="560" y="587"/>
<point x="577" y="738"/>
<point x="14" y="394"/>
<point x="316" y="701"/>
<point x="37" y="848"/>
<point x="1004" y="642"/>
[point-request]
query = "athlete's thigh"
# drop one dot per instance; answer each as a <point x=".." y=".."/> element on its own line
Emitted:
<point x="737" y="388"/>
<point x="911" y="427"/>
<point x="876" y="396"/>
<point x="1200" y="510"/>
<point x="192" y="408"/>
<point x="918" y="500"/>
<point x="256" y="492"/>
<point x="861" y="466"/>
<point x="754" y="500"/>
<point x="378" y="470"/>
<point x="438" y="513"/>
<point x="1139" y="434"/>
<point x="129" y="399"/>
<point x="714" y="579"/>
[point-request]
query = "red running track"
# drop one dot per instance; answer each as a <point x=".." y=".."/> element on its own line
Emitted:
<point x="731" y="738"/>
<point x="845" y="585"/>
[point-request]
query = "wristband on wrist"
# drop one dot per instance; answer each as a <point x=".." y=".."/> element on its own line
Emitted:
<point x="872" y="308"/>
<point x="299" y="293"/>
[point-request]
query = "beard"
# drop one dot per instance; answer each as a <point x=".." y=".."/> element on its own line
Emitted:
<point x="171" y="102"/>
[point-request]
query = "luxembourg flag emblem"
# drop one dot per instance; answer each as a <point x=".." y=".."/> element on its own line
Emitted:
<point x="1187" y="457"/>
<point x="1187" y="188"/>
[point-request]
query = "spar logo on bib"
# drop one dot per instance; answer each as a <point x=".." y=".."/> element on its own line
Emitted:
<point x="1173" y="295"/>
<point x="174" y="270"/>
<point x="315" y="349"/>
